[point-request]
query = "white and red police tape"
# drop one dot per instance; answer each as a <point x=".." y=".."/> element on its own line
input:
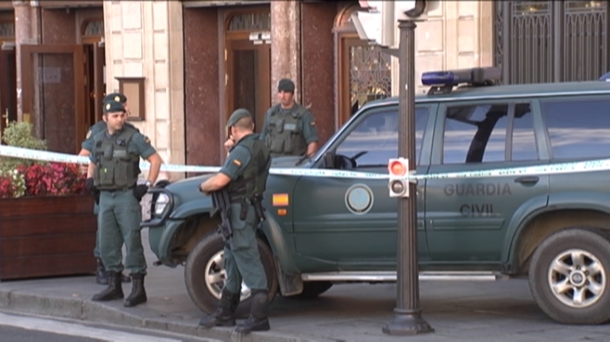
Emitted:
<point x="583" y="166"/>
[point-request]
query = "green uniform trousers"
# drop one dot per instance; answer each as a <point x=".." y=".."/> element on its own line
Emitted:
<point x="241" y="257"/>
<point x="96" y="250"/>
<point x="119" y="221"/>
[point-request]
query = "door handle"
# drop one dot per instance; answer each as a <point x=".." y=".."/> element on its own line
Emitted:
<point x="527" y="179"/>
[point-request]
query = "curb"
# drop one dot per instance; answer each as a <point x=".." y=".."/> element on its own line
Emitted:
<point x="81" y="309"/>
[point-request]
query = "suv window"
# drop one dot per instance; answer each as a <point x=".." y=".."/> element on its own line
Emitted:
<point x="578" y="128"/>
<point x="479" y="133"/>
<point x="374" y="140"/>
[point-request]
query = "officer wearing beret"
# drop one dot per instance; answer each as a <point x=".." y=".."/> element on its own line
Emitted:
<point x="244" y="174"/>
<point x="113" y="171"/>
<point x="289" y="128"/>
<point x="86" y="148"/>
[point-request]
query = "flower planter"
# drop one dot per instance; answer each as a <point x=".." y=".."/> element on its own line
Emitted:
<point x="46" y="236"/>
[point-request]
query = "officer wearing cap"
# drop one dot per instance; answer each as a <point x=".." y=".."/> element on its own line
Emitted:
<point x="244" y="175"/>
<point x="113" y="171"/>
<point x="289" y="128"/>
<point x="86" y="148"/>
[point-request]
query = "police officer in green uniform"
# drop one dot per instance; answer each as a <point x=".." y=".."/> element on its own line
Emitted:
<point x="289" y="128"/>
<point x="113" y="171"/>
<point x="86" y="148"/>
<point x="245" y="175"/>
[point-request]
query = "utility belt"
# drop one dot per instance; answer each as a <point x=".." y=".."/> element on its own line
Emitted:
<point x="257" y="202"/>
<point x="118" y="190"/>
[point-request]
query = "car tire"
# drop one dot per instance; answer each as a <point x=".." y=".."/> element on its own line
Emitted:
<point x="568" y="263"/>
<point x="207" y="254"/>
<point x="312" y="289"/>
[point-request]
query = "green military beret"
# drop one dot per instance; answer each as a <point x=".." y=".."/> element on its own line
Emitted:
<point x="285" y="85"/>
<point x="237" y="115"/>
<point x="113" y="107"/>
<point x="116" y="97"/>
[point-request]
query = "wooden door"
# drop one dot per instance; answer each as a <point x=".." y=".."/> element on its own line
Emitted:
<point x="8" y="88"/>
<point x="53" y="94"/>
<point x="249" y="79"/>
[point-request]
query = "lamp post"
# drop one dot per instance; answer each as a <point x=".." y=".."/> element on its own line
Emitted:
<point x="408" y="319"/>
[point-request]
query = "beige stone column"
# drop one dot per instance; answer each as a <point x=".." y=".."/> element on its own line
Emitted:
<point x="144" y="39"/>
<point x="285" y="45"/>
<point x="27" y="31"/>
<point x="457" y="35"/>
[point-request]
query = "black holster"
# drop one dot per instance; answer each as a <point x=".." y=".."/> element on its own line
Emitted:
<point x="257" y="202"/>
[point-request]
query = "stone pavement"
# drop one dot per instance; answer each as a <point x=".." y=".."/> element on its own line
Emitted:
<point x="502" y="311"/>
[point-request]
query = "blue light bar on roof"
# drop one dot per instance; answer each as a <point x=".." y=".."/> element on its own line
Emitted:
<point x="474" y="76"/>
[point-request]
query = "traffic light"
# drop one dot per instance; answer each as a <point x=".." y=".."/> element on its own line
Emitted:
<point x="398" y="184"/>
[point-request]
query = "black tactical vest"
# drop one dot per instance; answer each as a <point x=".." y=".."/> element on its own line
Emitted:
<point x="253" y="180"/>
<point x="284" y="136"/>
<point x="116" y="167"/>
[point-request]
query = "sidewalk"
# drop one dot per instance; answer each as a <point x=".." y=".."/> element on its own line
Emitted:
<point x="458" y="311"/>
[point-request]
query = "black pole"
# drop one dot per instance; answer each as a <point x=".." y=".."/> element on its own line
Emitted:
<point x="407" y="314"/>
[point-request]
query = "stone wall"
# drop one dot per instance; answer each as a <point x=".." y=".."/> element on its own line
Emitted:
<point x="145" y="39"/>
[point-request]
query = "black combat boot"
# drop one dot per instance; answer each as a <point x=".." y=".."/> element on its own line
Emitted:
<point x="138" y="294"/>
<point x="100" y="275"/>
<point x="114" y="289"/>
<point x="258" y="320"/>
<point x="224" y="316"/>
<point x="125" y="279"/>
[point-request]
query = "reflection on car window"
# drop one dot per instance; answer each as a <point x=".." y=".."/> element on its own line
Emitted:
<point x="475" y="134"/>
<point x="524" y="139"/>
<point x="374" y="140"/>
<point x="578" y="128"/>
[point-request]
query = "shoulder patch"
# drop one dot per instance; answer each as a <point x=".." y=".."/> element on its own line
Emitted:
<point x="146" y="140"/>
<point x="236" y="162"/>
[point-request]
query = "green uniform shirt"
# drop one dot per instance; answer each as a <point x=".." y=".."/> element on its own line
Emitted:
<point x="139" y="145"/>
<point x="236" y="162"/>
<point x="100" y="126"/>
<point x="87" y="144"/>
<point x="307" y="125"/>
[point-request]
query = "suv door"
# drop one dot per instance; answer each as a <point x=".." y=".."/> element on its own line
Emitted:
<point x="468" y="218"/>
<point x="352" y="222"/>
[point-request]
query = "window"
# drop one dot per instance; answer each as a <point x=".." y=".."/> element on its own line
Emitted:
<point x="374" y="140"/>
<point x="578" y="128"/>
<point x="524" y="139"/>
<point x="478" y="133"/>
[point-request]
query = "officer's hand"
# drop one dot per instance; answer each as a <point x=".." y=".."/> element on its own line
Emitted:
<point x="229" y="143"/>
<point x="90" y="186"/>
<point x="162" y="183"/>
<point x="139" y="191"/>
<point x="92" y="189"/>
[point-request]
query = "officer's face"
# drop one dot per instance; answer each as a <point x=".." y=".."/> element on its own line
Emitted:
<point x="115" y="120"/>
<point x="285" y="98"/>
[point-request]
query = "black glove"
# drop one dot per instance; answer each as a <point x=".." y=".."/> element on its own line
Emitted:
<point x="162" y="183"/>
<point x="92" y="190"/>
<point x="139" y="191"/>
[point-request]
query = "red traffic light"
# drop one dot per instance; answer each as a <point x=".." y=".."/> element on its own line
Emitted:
<point x="397" y="167"/>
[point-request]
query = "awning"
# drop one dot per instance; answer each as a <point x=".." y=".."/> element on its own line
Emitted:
<point x="224" y="3"/>
<point x="50" y="4"/>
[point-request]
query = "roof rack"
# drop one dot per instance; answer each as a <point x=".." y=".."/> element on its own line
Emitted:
<point x="442" y="82"/>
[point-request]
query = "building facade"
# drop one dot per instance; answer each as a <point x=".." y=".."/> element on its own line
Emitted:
<point x="186" y="65"/>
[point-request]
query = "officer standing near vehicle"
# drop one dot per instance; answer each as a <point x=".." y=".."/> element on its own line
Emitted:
<point x="113" y="171"/>
<point x="86" y="148"/>
<point x="244" y="175"/>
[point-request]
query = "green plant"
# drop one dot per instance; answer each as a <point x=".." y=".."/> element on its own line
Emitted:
<point x="19" y="134"/>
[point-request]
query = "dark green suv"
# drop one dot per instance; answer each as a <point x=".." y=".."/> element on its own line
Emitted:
<point x="326" y="230"/>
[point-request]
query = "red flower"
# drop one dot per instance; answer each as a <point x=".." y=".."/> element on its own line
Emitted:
<point x="53" y="179"/>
